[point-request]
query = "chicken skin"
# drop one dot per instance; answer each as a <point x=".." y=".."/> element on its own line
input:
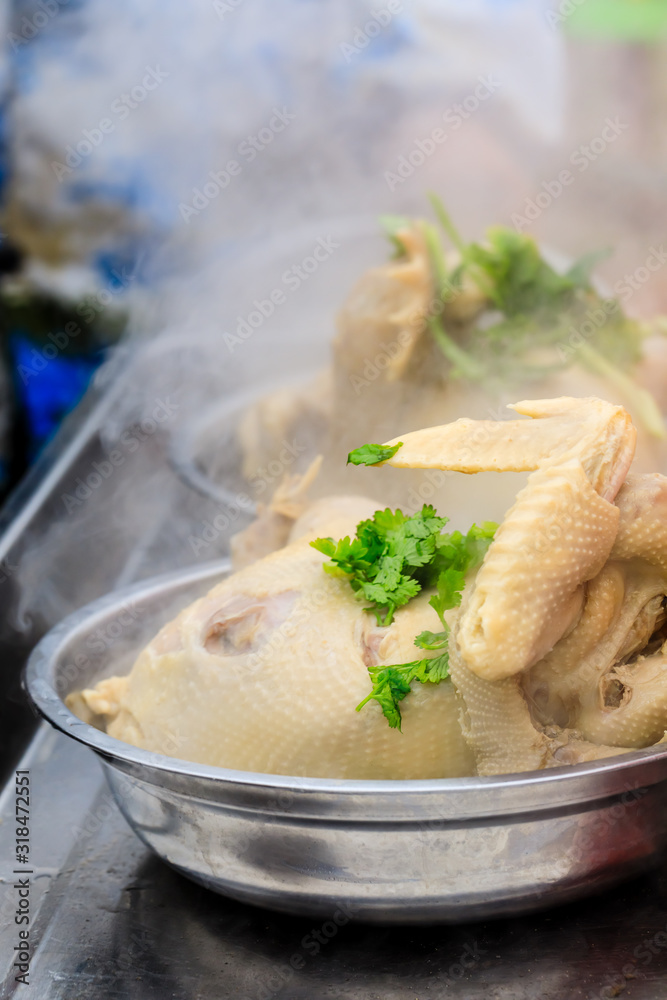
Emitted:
<point x="557" y="654"/>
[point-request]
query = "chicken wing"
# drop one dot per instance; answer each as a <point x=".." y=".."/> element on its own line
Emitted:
<point x="558" y="534"/>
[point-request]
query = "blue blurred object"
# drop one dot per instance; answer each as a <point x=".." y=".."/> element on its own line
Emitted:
<point x="47" y="394"/>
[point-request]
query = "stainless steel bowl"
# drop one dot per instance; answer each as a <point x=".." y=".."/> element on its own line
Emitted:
<point x="206" y="453"/>
<point x="384" y="851"/>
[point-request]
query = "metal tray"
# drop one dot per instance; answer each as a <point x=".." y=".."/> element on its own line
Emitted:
<point x="383" y="851"/>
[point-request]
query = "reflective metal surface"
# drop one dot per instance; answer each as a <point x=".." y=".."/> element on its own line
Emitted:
<point x="111" y="922"/>
<point x="387" y="851"/>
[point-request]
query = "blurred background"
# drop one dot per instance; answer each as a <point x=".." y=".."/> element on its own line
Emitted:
<point x="145" y="148"/>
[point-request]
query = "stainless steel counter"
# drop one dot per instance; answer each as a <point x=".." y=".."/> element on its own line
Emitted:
<point x="111" y="921"/>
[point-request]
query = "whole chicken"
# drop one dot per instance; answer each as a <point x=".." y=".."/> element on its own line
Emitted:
<point x="412" y="350"/>
<point x="264" y="674"/>
<point x="555" y="655"/>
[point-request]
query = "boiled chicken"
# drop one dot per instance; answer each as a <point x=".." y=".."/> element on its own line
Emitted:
<point x="600" y="684"/>
<point x="557" y="535"/>
<point x="558" y="653"/>
<point x="388" y="375"/>
<point x="608" y="678"/>
<point x="264" y="674"/>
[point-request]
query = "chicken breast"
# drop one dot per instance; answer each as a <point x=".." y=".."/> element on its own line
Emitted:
<point x="265" y="672"/>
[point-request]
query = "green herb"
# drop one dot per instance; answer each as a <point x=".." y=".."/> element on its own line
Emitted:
<point x="389" y="561"/>
<point x="445" y="221"/>
<point x="431" y="640"/>
<point x="392" y="684"/>
<point x="372" y="454"/>
<point x="392" y="225"/>
<point x="530" y="320"/>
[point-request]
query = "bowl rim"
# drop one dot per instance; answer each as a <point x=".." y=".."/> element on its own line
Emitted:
<point x="41" y="668"/>
<point x="184" y="441"/>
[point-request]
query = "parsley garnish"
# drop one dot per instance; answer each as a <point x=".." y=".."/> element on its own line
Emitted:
<point x="392" y="684"/>
<point x="507" y="316"/>
<point x="372" y="454"/>
<point x="390" y="558"/>
<point x="389" y="561"/>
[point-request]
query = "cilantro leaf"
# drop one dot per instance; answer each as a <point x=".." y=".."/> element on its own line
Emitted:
<point x="432" y="640"/>
<point x="450" y="589"/>
<point x="387" y="558"/>
<point x="372" y="454"/>
<point x="386" y="600"/>
<point x="392" y="684"/>
<point x="348" y="558"/>
<point x="392" y="557"/>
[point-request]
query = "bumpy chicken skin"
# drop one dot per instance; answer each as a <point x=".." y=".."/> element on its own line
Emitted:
<point x="608" y="678"/>
<point x="557" y="535"/>
<point x="265" y="672"/>
<point x="600" y="686"/>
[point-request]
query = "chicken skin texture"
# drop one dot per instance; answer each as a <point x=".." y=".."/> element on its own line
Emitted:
<point x="558" y="652"/>
<point x="264" y="674"/>
<point x="571" y="575"/>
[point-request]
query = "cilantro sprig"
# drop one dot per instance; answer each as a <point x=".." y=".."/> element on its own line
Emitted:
<point x="506" y="316"/>
<point x="392" y="684"/>
<point x="391" y="559"/>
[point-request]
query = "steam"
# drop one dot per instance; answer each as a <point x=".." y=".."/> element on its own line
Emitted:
<point x="235" y="191"/>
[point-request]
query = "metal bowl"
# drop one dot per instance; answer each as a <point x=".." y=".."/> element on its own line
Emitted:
<point x="383" y="851"/>
<point x="206" y="453"/>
